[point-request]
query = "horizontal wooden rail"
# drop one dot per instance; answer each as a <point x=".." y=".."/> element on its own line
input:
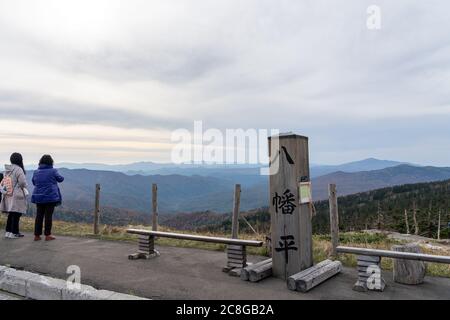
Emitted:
<point x="192" y="237"/>
<point x="394" y="254"/>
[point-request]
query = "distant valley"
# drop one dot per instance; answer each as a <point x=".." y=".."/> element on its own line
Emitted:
<point x="126" y="197"/>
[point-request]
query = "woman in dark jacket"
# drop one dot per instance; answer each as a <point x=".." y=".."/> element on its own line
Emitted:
<point x="46" y="196"/>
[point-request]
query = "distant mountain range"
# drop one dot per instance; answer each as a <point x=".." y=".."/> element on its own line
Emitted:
<point x="182" y="193"/>
<point x="349" y="183"/>
<point x="356" y="166"/>
<point x="176" y="193"/>
<point x="228" y="171"/>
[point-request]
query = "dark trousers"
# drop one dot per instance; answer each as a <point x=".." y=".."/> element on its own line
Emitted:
<point x="12" y="224"/>
<point x="44" y="210"/>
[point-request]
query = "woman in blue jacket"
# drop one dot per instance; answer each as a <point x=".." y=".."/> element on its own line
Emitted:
<point x="46" y="196"/>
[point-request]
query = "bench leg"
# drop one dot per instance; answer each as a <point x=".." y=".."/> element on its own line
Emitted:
<point x="236" y="257"/>
<point x="369" y="274"/>
<point x="146" y="248"/>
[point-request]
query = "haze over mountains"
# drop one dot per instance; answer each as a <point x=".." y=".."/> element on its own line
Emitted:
<point x="363" y="165"/>
<point x="210" y="188"/>
<point x="221" y="170"/>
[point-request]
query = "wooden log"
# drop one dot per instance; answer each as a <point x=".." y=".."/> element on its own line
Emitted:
<point x="236" y="272"/>
<point x="375" y="259"/>
<point x="366" y="264"/>
<point x="154" y="207"/>
<point x="312" y="277"/>
<point x="291" y="228"/>
<point x="136" y="256"/>
<point x="97" y="209"/>
<point x="245" y="273"/>
<point x="236" y="259"/>
<point x="261" y="272"/>
<point x="363" y="274"/>
<point x="362" y="269"/>
<point x="334" y="218"/>
<point x="235" y="217"/>
<point x="235" y="247"/>
<point x="235" y="264"/>
<point x="237" y="253"/>
<point x="143" y="255"/>
<point x="291" y="282"/>
<point x="407" y="271"/>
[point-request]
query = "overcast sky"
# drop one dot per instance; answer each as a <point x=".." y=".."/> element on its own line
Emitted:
<point x="108" y="81"/>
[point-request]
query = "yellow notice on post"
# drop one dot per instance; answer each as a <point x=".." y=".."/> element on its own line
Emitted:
<point x="305" y="195"/>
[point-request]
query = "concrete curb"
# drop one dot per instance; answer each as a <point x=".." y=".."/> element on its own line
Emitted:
<point x="34" y="286"/>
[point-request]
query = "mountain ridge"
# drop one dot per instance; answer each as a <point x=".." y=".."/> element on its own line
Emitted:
<point x="179" y="193"/>
<point x="223" y="170"/>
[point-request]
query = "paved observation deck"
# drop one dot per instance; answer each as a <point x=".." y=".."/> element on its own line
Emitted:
<point x="183" y="273"/>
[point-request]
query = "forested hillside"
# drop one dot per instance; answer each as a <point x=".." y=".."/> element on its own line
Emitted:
<point x="382" y="208"/>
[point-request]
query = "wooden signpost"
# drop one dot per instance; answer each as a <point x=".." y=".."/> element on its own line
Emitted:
<point x="290" y="205"/>
<point x="334" y="219"/>
<point x="154" y="207"/>
<point x="97" y="209"/>
<point x="235" y="218"/>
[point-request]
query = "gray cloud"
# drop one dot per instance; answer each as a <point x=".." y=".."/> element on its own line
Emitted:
<point x="28" y="107"/>
<point x="306" y="66"/>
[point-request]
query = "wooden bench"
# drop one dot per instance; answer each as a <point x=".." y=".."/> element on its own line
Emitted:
<point x="236" y="250"/>
<point x="394" y="254"/>
<point x="369" y="260"/>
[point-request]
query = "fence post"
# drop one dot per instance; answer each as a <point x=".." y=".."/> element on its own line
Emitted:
<point x="155" y="207"/>
<point x="235" y="218"/>
<point x="334" y="219"/>
<point x="439" y="226"/>
<point x="97" y="209"/>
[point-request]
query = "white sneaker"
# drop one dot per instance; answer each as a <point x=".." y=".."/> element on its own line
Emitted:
<point x="7" y="235"/>
<point x="13" y="236"/>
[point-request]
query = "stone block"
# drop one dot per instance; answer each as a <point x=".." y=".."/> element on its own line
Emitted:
<point x="83" y="293"/>
<point x="15" y="281"/>
<point x="44" y="288"/>
<point x="122" y="296"/>
<point x="408" y="271"/>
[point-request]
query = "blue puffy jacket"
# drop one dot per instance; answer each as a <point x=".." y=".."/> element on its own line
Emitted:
<point x="45" y="181"/>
